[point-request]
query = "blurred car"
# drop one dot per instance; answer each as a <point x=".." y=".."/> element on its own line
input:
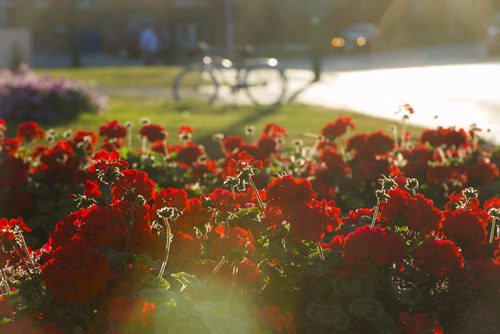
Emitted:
<point x="356" y="37"/>
<point x="492" y="40"/>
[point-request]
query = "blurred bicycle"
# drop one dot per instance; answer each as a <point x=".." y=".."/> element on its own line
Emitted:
<point x="262" y="79"/>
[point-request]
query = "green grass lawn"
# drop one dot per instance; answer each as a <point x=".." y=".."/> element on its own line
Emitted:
<point x="114" y="77"/>
<point x="206" y="119"/>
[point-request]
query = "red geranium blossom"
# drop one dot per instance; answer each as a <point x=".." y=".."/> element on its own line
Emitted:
<point x="136" y="182"/>
<point x="237" y="163"/>
<point x="310" y="221"/>
<point x="91" y="189"/>
<point x="230" y="144"/>
<point x="287" y="191"/>
<point x="113" y="129"/>
<point x="185" y="129"/>
<point x="3" y="125"/>
<point x="376" y="244"/>
<point x="107" y="161"/>
<point x="76" y="273"/>
<point x="336" y="129"/>
<point x="153" y="132"/>
<point x="274" y="130"/>
<point x="467" y="228"/>
<point x="232" y="242"/>
<point x="370" y="145"/>
<point x="8" y="228"/>
<point x="438" y="257"/>
<point x="30" y="131"/>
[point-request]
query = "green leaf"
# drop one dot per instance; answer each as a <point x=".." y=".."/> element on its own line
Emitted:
<point x="187" y="280"/>
<point x="326" y="315"/>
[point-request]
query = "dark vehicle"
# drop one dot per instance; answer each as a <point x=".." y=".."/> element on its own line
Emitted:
<point x="492" y="39"/>
<point x="357" y="37"/>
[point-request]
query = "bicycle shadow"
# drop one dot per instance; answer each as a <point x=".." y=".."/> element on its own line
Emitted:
<point x="252" y="118"/>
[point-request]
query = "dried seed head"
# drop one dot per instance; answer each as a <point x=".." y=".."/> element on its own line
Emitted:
<point x="68" y="133"/>
<point x="298" y="143"/>
<point x="145" y="120"/>
<point x="494" y="213"/>
<point x="218" y="137"/>
<point x="249" y="130"/>
<point x="185" y="136"/>
<point x="129" y="124"/>
<point x="280" y="140"/>
<point x="382" y="196"/>
<point x="470" y="193"/>
<point x="411" y="184"/>
<point x="169" y="212"/>
<point x="387" y="183"/>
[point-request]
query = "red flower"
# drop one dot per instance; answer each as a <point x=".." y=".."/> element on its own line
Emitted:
<point x="237" y="163"/>
<point x="170" y="197"/>
<point x="153" y="132"/>
<point x="113" y="130"/>
<point x="482" y="173"/>
<point x="421" y="323"/>
<point x="135" y="182"/>
<point x="422" y="216"/>
<point x="190" y="153"/>
<point x="334" y="162"/>
<point x="274" y="130"/>
<point x="267" y="146"/>
<point x="91" y="189"/>
<point x="233" y="243"/>
<point x="492" y="203"/>
<point x="9" y="145"/>
<point x="336" y="244"/>
<point x="417" y="162"/>
<point x="467" y="228"/>
<point x="336" y="129"/>
<point x="376" y="244"/>
<point x="3" y="125"/>
<point x="106" y="161"/>
<point x="438" y="257"/>
<point x="84" y="135"/>
<point x="370" y="145"/>
<point x="354" y="216"/>
<point x="76" y="273"/>
<point x="287" y="191"/>
<point x="311" y="221"/>
<point x="103" y="226"/>
<point x="185" y="129"/>
<point x="448" y="137"/>
<point x="8" y="228"/>
<point x="30" y="131"/>
<point x="230" y="144"/>
<point x="394" y="210"/>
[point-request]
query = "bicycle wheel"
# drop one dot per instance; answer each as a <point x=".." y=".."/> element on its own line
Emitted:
<point x="265" y="85"/>
<point x="197" y="83"/>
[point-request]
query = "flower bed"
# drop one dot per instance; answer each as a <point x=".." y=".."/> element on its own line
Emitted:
<point x="26" y="96"/>
<point x="368" y="235"/>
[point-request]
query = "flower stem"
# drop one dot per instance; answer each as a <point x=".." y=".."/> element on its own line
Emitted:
<point x="320" y="250"/>
<point x="375" y="214"/>
<point x="259" y="199"/>
<point x="167" y="248"/>
<point x="32" y="277"/>
<point x="5" y="282"/>
<point x="219" y="265"/>
<point x="492" y="232"/>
